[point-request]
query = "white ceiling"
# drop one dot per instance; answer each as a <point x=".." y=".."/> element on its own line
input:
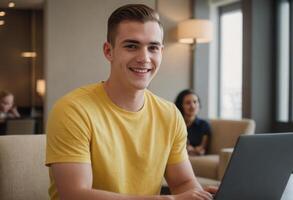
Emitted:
<point x="23" y="4"/>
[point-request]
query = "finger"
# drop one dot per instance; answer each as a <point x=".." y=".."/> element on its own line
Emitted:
<point x="197" y="197"/>
<point x="205" y="195"/>
<point x="211" y="189"/>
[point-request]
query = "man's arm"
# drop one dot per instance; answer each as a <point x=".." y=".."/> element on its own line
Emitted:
<point x="180" y="178"/>
<point x="74" y="182"/>
<point x="183" y="183"/>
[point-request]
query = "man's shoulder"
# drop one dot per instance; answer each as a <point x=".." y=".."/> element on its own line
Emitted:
<point x="87" y="90"/>
<point x="162" y="105"/>
<point x="154" y="99"/>
<point x="79" y="95"/>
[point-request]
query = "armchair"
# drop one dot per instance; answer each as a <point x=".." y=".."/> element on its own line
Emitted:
<point x="22" y="170"/>
<point x="224" y="136"/>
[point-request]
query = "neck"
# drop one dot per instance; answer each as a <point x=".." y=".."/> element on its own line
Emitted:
<point x="130" y="100"/>
<point x="189" y="119"/>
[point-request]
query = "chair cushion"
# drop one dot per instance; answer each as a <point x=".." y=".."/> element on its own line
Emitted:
<point x="205" y="166"/>
<point x="226" y="132"/>
<point x="22" y="170"/>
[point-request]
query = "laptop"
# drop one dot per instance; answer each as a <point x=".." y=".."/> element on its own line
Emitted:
<point x="259" y="169"/>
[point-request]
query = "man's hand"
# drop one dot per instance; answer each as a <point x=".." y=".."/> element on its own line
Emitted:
<point x="211" y="189"/>
<point x="194" y="195"/>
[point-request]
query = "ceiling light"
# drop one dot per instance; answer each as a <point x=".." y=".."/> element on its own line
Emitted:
<point x="2" y="22"/>
<point x="11" y="4"/>
<point x="2" y="13"/>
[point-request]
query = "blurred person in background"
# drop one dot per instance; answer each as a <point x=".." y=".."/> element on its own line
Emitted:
<point x="7" y="107"/>
<point x="199" y="131"/>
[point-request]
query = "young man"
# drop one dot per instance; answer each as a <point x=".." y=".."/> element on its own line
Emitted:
<point x="115" y="139"/>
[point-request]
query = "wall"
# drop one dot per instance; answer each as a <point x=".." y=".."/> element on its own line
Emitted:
<point x="15" y="71"/>
<point x="75" y="34"/>
<point x="202" y="64"/>
<point x="258" y="61"/>
<point x="174" y="74"/>
<point x="206" y="58"/>
<point x="262" y="55"/>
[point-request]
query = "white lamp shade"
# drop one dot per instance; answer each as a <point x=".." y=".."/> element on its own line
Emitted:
<point x="193" y="30"/>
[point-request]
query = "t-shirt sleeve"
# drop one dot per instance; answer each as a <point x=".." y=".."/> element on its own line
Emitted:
<point x="207" y="129"/>
<point x="68" y="134"/>
<point x="178" y="151"/>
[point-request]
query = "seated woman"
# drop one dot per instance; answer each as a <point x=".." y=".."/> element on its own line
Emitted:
<point x="7" y="108"/>
<point x="199" y="131"/>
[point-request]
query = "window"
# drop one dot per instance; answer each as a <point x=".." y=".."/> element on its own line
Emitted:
<point x="230" y="62"/>
<point x="284" y="92"/>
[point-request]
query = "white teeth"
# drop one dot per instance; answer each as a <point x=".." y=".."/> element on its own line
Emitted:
<point x="139" y="70"/>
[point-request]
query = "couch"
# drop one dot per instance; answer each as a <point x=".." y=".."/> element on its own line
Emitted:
<point x="22" y="170"/>
<point x="225" y="132"/>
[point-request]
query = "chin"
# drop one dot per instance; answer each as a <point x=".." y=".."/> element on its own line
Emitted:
<point x="141" y="85"/>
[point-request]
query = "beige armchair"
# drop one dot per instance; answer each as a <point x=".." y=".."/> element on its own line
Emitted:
<point x="22" y="170"/>
<point x="224" y="136"/>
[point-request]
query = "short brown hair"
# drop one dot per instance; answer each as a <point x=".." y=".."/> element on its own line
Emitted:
<point x="130" y="12"/>
<point x="4" y="93"/>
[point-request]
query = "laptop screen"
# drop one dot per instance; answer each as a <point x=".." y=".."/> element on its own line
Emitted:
<point x="259" y="168"/>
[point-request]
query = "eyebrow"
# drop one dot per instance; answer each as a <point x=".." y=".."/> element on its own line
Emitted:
<point x="137" y="42"/>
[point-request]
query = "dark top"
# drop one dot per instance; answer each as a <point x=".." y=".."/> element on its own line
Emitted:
<point x="197" y="130"/>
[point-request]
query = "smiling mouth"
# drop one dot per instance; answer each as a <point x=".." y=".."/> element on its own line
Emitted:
<point x="140" y="70"/>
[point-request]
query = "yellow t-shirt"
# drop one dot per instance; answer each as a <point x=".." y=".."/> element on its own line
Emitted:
<point x="128" y="151"/>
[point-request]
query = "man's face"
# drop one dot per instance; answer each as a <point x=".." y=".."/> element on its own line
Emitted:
<point x="136" y="55"/>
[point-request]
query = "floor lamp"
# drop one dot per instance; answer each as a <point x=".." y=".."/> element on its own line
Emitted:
<point x="194" y="31"/>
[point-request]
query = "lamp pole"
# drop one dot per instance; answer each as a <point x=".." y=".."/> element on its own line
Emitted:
<point x="193" y="64"/>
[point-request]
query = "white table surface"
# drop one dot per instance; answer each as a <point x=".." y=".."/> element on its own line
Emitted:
<point x="288" y="193"/>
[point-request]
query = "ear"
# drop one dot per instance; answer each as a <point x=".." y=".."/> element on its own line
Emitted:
<point x="107" y="48"/>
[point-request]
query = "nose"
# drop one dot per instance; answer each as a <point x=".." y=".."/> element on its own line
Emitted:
<point x="143" y="56"/>
<point x="192" y="105"/>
